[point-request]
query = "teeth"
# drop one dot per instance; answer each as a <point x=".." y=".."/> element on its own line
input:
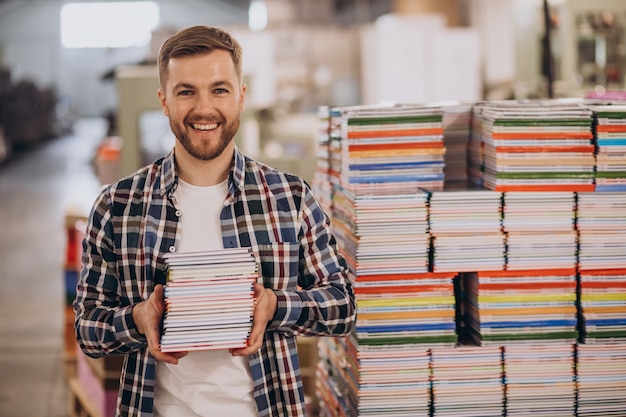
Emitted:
<point x="205" y="127"/>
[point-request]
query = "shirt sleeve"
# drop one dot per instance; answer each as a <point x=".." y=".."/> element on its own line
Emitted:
<point x="103" y="323"/>
<point x="324" y="304"/>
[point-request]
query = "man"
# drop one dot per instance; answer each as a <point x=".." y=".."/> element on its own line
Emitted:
<point x="205" y="195"/>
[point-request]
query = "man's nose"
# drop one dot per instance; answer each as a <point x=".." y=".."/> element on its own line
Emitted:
<point x="204" y="103"/>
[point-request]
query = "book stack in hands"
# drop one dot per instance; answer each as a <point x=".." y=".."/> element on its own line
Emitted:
<point x="209" y="299"/>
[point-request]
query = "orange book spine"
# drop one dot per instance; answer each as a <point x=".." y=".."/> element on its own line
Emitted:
<point x="397" y="277"/>
<point x="402" y="289"/>
<point x="550" y="187"/>
<point x="544" y="149"/>
<point x="615" y="129"/>
<point x="543" y="135"/>
<point x="394" y="133"/>
<point x="528" y="273"/>
<point x="390" y="146"/>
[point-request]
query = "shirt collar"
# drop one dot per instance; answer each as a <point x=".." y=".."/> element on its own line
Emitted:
<point x="169" y="178"/>
<point x="238" y="174"/>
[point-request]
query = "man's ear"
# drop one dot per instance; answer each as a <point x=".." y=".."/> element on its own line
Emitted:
<point x="242" y="97"/>
<point x="163" y="101"/>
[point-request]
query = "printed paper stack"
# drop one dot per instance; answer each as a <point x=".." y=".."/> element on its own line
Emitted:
<point x="540" y="229"/>
<point x="382" y="234"/>
<point x="330" y="153"/>
<point x="398" y="148"/>
<point x="209" y="299"/>
<point x="383" y="369"/>
<point x="601" y="222"/>
<point x="537" y="146"/>
<point x="456" y="133"/>
<point x="467" y="381"/>
<point x="373" y="382"/>
<point x="334" y="149"/>
<point x="603" y="304"/>
<point x="399" y="318"/>
<point x="394" y="383"/>
<point x="526" y="306"/>
<point x="405" y="309"/>
<point x="610" y="133"/>
<point x="335" y="377"/>
<point x="601" y="364"/>
<point x="466" y="230"/>
<point x="322" y="186"/>
<point x="602" y="379"/>
<point x="540" y="380"/>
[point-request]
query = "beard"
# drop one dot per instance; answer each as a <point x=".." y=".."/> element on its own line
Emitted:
<point x="212" y="150"/>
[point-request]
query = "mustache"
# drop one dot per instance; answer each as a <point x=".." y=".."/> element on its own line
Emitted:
<point x="204" y="119"/>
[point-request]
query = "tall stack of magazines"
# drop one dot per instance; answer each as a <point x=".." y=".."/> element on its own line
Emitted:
<point x="209" y="299"/>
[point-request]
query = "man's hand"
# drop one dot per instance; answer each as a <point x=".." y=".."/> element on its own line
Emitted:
<point x="264" y="311"/>
<point x="147" y="316"/>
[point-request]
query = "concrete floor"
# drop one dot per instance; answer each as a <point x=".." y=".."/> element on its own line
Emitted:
<point x="37" y="187"/>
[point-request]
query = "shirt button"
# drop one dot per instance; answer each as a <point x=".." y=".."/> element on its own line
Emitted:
<point x="172" y="249"/>
<point x="163" y="190"/>
<point x="178" y="213"/>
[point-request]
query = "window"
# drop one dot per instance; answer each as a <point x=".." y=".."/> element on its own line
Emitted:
<point x="108" y="25"/>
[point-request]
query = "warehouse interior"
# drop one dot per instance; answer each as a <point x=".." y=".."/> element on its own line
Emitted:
<point x="77" y="116"/>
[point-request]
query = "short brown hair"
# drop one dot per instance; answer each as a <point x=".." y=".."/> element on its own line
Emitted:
<point x="197" y="40"/>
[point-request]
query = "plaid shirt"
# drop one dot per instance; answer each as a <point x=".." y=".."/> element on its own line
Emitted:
<point x="134" y="222"/>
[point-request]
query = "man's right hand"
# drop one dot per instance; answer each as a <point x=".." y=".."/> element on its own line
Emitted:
<point x="147" y="316"/>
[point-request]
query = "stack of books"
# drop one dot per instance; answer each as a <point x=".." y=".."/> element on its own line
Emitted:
<point x="399" y="148"/>
<point x="522" y="306"/>
<point x="610" y="136"/>
<point x="393" y="381"/>
<point x="601" y="373"/>
<point x="466" y="230"/>
<point x="405" y="309"/>
<point x="603" y="304"/>
<point x="467" y="381"/>
<point x="209" y="299"/>
<point x="384" y="367"/>
<point x="322" y="185"/>
<point x="382" y="234"/>
<point x="537" y="146"/>
<point x="380" y="219"/>
<point x="601" y="226"/>
<point x="540" y="229"/>
<point x="540" y="380"/>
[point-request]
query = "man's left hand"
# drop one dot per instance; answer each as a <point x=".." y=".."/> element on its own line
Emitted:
<point x="264" y="311"/>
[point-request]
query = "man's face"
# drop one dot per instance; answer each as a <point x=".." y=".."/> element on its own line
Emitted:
<point x="203" y="99"/>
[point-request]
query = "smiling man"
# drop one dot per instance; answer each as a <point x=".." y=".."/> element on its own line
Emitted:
<point x="206" y="195"/>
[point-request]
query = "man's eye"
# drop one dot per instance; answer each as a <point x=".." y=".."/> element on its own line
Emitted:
<point x="221" y="91"/>
<point x="184" y="92"/>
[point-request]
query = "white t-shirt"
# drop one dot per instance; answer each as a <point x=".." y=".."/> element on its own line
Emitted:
<point x="211" y="382"/>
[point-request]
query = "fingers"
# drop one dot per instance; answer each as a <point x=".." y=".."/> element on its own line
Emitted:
<point x="150" y="313"/>
<point x="255" y="340"/>
<point x="170" y="357"/>
<point x="264" y="311"/>
<point x="148" y="316"/>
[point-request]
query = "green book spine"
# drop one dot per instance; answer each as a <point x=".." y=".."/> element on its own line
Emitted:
<point x="537" y="122"/>
<point x="611" y="174"/>
<point x="543" y="175"/>
<point x="531" y="336"/>
<point x="394" y="120"/>
<point x="407" y="340"/>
